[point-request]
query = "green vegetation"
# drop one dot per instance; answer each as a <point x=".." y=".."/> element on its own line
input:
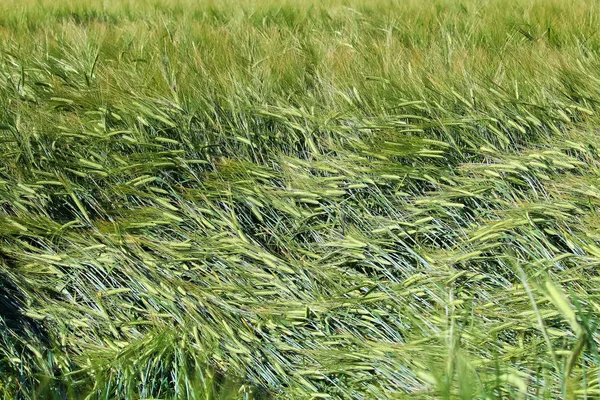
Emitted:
<point x="305" y="200"/>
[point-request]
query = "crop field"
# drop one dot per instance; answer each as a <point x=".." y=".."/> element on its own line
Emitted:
<point x="342" y="199"/>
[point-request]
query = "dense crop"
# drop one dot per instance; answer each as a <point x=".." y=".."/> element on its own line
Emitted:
<point x="346" y="199"/>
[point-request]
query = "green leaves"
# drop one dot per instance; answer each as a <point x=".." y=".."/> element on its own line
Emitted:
<point x="298" y="201"/>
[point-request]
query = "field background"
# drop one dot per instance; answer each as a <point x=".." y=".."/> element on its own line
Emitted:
<point x="301" y="199"/>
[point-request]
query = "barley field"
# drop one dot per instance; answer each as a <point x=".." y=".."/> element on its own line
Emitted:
<point x="342" y="199"/>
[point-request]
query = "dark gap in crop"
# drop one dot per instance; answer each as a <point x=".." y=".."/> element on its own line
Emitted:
<point x="11" y="309"/>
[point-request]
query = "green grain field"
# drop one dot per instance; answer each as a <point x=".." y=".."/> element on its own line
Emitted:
<point x="270" y="199"/>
